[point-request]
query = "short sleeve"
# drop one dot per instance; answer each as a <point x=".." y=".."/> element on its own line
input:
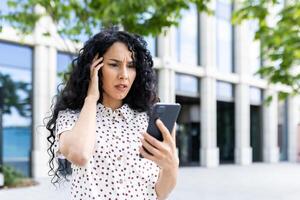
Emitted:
<point x="65" y="121"/>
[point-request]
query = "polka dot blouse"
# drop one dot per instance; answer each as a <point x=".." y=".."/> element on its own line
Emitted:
<point x="115" y="171"/>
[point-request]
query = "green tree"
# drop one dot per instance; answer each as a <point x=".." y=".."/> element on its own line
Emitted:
<point x="280" y="43"/>
<point x="12" y="99"/>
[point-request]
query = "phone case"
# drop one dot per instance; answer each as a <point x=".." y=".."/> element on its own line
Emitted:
<point x="167" y="113"/>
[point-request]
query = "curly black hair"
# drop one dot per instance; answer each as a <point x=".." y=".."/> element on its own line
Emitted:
<point x="75" y="91"/>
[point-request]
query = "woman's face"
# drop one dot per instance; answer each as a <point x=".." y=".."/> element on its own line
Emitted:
<point x="118" y="74"/>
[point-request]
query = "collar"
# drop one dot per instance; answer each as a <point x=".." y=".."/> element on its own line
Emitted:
<point x="124" y="111"/>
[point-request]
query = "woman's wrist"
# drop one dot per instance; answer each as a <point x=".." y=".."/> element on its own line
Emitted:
<point x="91" y="99"/>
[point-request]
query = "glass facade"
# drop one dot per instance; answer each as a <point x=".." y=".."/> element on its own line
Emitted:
<point x="151" y="45"/>
<point x="187" y="85"/>
<point x="187" y="37"/>
<point x="16" y="78"/>
<point x="283" y="130"/>
<point x="224" y="36"/>
<point x="64" y="61"/>
<point x="256" y="137"/>
<point x="255" y="57"/>
<point x="225" y="121"/>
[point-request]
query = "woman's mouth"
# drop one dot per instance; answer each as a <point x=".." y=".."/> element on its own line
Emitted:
<point x="121" y="87"/>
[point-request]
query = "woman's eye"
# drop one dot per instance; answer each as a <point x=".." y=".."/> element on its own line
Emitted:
<point x="131" y="66"/>
<point x="113" y="65"/>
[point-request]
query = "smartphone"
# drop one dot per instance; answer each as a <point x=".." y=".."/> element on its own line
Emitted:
<point x="167" y="113"/>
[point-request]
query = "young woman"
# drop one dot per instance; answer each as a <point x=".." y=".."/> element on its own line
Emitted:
<point x="100" y="119"/>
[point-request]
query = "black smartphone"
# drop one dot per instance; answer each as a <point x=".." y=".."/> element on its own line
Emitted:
<point x="167" y="113"/>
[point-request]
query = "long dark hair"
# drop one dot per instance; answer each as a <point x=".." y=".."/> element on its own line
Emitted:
<point x="141" y="96"/>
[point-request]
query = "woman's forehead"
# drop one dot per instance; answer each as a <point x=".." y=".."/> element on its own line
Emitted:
<point x="119" y="51"/>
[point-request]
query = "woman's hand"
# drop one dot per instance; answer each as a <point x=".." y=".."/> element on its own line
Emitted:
<point x="164" y="153"/>
<point x="93" y="90"/>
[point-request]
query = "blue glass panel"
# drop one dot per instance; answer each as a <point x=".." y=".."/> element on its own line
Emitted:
<point x="15" y="56"/>
<point x="63" y="62"/>
<point x="225" y="91"/>
<point x="17" y="128"/>
<point x="151" y="45"/>
<point x="187" y="37"/>
<point x="255" y="96"/>
<point x="224" y="38"/>
<point x="186" y="84"/>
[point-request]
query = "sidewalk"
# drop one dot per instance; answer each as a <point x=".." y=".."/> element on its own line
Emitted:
<point x="227" y="182"/>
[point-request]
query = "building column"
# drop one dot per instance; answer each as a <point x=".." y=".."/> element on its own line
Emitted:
<point x="270" y="129"/>
<point x="293" y="120"/>
<point x="166" y="75"/>
<point x="209" y="151"/>
<point x="166" y="87"/>
<point x="44" y="82"/>
<point x="243" y="151"/>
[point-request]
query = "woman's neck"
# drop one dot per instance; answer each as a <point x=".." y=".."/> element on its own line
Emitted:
<point x="112" y="104"/>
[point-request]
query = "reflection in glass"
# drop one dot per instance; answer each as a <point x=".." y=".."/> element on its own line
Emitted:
<point x="224" y="37"/>
<point x="187" y="37"/>
<point x="64" y="61"/>
<point x="16" y="75"/>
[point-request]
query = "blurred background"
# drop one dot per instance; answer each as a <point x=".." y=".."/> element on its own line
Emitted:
<point x="234" y="68"/>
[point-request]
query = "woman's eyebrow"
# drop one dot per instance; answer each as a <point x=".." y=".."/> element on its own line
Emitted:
<point x="119" y="61"/>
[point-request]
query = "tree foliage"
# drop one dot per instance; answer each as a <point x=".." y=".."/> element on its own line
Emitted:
<point x="280" y="42"/>
<point x="12" y="98"/>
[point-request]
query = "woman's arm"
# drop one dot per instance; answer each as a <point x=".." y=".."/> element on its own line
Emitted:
<point x="165" y="183"/>
<point x="164" y="154"/>
<point x="78" y="144"/>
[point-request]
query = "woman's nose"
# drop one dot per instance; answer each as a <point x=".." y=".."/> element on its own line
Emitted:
<point x="123" y="74"/>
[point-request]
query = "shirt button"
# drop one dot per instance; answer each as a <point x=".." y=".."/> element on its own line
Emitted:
<point x="121" y="181"/>
<point x="117" y="137"/>
<point x="119" y="158"/>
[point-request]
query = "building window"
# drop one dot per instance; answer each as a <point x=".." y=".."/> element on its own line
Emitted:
<point x="64" y="62"/>
<point x="255" y="49"/>
<point x="187" y="37"/>
<point x="224" y="36"/>
<point x="187" y="85"/>
<point x="225" y="91"/>
<point x="255" y="96"/>
<point x="16" y="79"/>
<point x="151" y="45"/>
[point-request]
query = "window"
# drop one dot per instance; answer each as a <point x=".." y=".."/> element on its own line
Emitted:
<point x="151" y="45"/>
<point x="187" y="85"/>
<point x="224" y="36"/>
<point x="187" y="39"/>
<point x="255" y="96"/>
<point x="16" y="79"/>
<point x="64" y="60"/>
<point x="225" y="91"/>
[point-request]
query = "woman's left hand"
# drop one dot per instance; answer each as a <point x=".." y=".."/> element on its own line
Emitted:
<point x="164" y="153"/>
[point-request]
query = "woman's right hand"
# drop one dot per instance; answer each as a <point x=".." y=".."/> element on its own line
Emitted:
<point x="93" y="90"/>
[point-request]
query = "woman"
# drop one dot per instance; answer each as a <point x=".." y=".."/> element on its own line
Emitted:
<point x="99" y="123"/>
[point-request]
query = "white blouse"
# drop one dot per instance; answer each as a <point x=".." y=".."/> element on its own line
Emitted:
<point x="115" y="171"/>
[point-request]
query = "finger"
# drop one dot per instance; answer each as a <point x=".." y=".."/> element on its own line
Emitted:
<point x="95" y="58"/>
<point x="146" y="155"/>
<point x="153" y="141"/>
<point x="174" y="132"/>
<point x="96" y="62"/>
<point x="94" y="70"/>
<point x="150" y="148"/>
<point x="164" y="131"/>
